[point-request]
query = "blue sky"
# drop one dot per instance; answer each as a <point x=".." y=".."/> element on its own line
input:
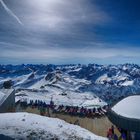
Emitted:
<point x="69" y="31"/>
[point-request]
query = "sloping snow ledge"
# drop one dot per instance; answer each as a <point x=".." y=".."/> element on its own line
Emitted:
<point x="31" y="126"/>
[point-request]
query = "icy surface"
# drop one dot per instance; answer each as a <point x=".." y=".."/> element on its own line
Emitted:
<point x="128" y="107"/>
<point x="31" y="126"/>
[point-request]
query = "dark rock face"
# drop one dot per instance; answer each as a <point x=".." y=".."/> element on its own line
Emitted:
<point x="3" y="137"/>
<point x="7" y="84"/>
<point x="31" y="76"/>
<point x="49" y="76"/>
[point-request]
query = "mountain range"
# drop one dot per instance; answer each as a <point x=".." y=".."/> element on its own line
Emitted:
<point x="108" y="82"/>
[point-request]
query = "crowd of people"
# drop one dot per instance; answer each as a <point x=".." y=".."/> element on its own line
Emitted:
<point x="111" y="135"/>
<point x="80" y="111"/>
<point x="70" y="110"/>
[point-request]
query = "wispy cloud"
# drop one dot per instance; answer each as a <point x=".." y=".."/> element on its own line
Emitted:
<point x="10" y="12"/>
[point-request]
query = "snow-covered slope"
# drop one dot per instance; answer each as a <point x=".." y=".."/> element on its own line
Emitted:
<point x="69" y="98"/>
<point x="30" y="126"/>
<point x="62" y="89"/>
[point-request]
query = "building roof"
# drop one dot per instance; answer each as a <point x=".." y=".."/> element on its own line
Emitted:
<point x="126" y="113"/>
<point x="128" y="107"/>
<point x="4" y="93"/>
<point x="1" y="95"/>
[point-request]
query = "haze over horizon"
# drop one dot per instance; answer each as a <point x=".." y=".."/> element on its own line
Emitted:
<point x="69" y="32"/>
